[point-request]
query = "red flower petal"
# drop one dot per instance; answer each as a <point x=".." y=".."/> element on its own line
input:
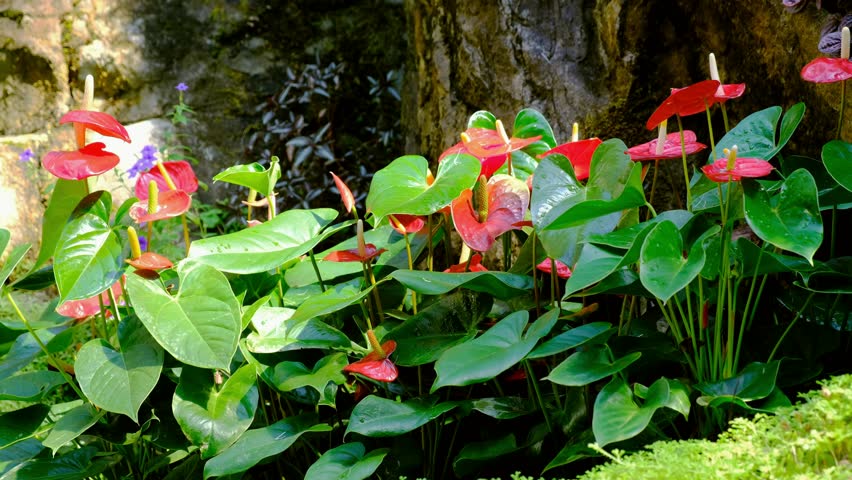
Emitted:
<point x="508" y="199"/>
<point x="345" y="193"/>
<point x="743" y="167"/>
<point x="671" y="148"/>
<point x="827" y="70"/>
<point x="685" y="101"/>
<point x="486" y="143"/>
<point x="562" y="270"/>
<point x="86" y="162"/>
<point x="579" y="153"/>
<point x="727" y="92"/>
<point x="371" y="366"/>
<point x="489" y="164"/>
<point x="150" y="261"/>
<point x="100" y="122"/>
<point x="352" y="254"/>
<point x="180" y="172"/>
<point x="475" y="265"/>
<point x="403" y="223"/>
<point x="89" y="306"/>
<point x="170" y="204"/>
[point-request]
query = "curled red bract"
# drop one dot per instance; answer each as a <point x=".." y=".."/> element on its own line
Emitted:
<point x="180" y="172"/>
<point x="169" y="204"/>
<point x="345" y="194"/>
<point x="100" y="122"/>
<point x="579" y="153"/>
<point x="508" y="199"/>
<point x="352" y="254"/>
<point x="827" y="70"/>
<point x="86" y="162"/>
<point x="150" y="261"/>
<point x="671" y="147"/>
<point x="685" y="101"/>
<point x="88" y="306"/>
<point x="403" y="223"/>
<point x="562" y="270"/>
<point x="475" y="265"/>
<point x="375" y="365"/>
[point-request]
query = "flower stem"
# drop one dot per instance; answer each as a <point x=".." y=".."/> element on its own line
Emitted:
<point x="790" y="327"/>
<point x="685" y="169"/>
<point x="316" y="269"/>
<point x="534" y="381"/>
<point x="410" y="267"/>
<point x="842" y="108"/>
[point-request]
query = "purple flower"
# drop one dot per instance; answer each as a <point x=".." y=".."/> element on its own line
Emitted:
<point x="26" y="155"/>
<point x="143" y="243"/>
<point x="181" y="87"/>
<point x="145" y="163"/>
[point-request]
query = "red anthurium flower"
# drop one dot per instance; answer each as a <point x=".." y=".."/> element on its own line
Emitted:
<point x="345" y="193"/>
<point x="489" y="164"/>
<point x="827" y="70"/>
<point x="169" y="204"/>
<point x="728" y="92"/>
<point x="508" y="199"/>
<point x="253" y="223"/>
<point x="89" y="306"/>
<point x="376" y="365"/>
<point x="743" y="167"/>
<point x="150" y="261"/>
<point x="86" y="162"/>
<point x="100" y="122"/>
<point x="403" y="223"/>
<point x="579" y="153"/>
<point x="685" y="101"/>
<point x="562" y="270"/>
<point x="352" y="254"/>
<point x="491" y="147"/>
<point x="475" y="265"/>
<point x="671" y="148"/>
<point x="180" y="172"/>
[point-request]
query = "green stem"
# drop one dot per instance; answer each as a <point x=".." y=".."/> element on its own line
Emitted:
<point x="316" y="269"/>
<point x="685" y="168"/>
<point x="790" y="327"/>
<point x="538" y="395"/>
<point x="507" y="251"/>
<point x="430" y="247"/>
<point x="725" y="118"/>
<point x="410" y="267"/>
<point x="653" y="186"/>
<point x="842" y="108"/>
<point x="185" y="232"/>
<point x="748" y="304"/>
<point x="534" y="276"/>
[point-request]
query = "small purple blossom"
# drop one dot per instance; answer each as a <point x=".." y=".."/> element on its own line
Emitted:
<point x="182" y="87"/>
<point x="26" y="155"/>
<point x="145" y="163"/>
<point x="143" y="243"/>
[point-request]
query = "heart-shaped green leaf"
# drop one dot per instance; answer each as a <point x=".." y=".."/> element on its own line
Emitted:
<point x="616" y="415"/>
<point x="20" y="424"/>
<point x="268" y="245"/>
<point x="595" y="264"/>
<point x="12" y="261"/>
<point x="837" y="158"/>
<point x="755" y="381"/>
<point x="790" y="219"/>
<point x="212" y="416"/>
<point x="252" y="175"/>
<point x="499" y="284"/>
<point x="71" y="425"/>
<point x="278" y="332"/>
<point x="503" y="408"/>
<point x="332" y="300"/>
<point x="17" y="454"/>
<point x="453" y="318"/>
<point x="379" y="417"/>
<point x="589" y="365"/>
<point x="76" y="464"/>
<point x="200" y="325"/>
<point x="346" y="462"/>
<point x="531" y="123"/>
<point x="494" y="352"/>
<point x="662" y="267"/>
<point x="474" y="455"/>
<point x="402" y="186"/>
<point x="30" y="386"/>
<point x="258" y="444"/>
<point x="482" y="119"/>
<point x="25" y="349"/>
<point x="119" y="381"/>
<point x="64" y="199"/>
<point x="591" y="333"/>
<point x="288" y="376"/>
<point x="88" y="253"/>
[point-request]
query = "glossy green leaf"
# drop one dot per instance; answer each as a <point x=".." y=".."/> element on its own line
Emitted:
<point x="36" y="280"/>
<point x="5" y="235"/>
<point x="589" y="365"/>
<point x="755" y="262"/>
<point x="30" y="386"/>
<point x="452" y="319"/>
<point x="616" y="415"/>
<point x="276" y="331"/>
<point x="837" y="158"/>
<point x="790" y="219"/>
<point x="663" y="269"/>
<point x="200" y="324"/>
<point x="17" y="454"/>
<point x="88" y="253"/>
<point x="120" y="380"/>
<point x="64" y="199"/>
<point x="380" y="417"/>
<point x="288" y="376"/>
<point x="771" y="404"/>
<point x="256" y="445"/>
<point x="503" y="408"/>
<point x="214" y="416"/>
<point x="332" y="300"/>
<point x="12" y="261"/>
<point x="25" y="349"/>
<point x="595" y="264"/>
<point x="77" y="464"/>
<point x="754" y="382"/>
<point x="482" y="119"/>
<point x="531" y="123"/>
<point x="401" y="187"/>
<point x="346" y="462"/>
<point x="625" y="238"/>
<point x="268" y="245"/>
<point x="492" y="353"/>
<point x="252" y="175"/>
<point x="832" y="276"/>
<point x="591" y="333"/>
<point x="71" y="425"/>
<point x="499" y="284"/>
<point x="474" y="454"/>
<point x="20" y="424"/>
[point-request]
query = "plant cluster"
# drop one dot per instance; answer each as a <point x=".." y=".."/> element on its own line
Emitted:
<point x="401" y="349"/>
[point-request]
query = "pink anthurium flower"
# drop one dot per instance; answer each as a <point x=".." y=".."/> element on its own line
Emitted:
<point x="376" y="365"/>
<point x="169" y="204"/>
<point x="562" y="270"/>
<point x="728" y="92"/>
<point x="491" y="147"/>
<point x="671" y="147"/>
<point x="475" y="265"/>
<point x="180" y="172"/>
<point x="507" y="200"/>
<point x="827" y="70"/>
<point x="89" y="306"/>
<point x="86" y="162"/>
<point x="150" y="261"/>
<point x="579" y="153"/>
<point x="403" y="223"/>
<point x="352" y="254"/>
<point x="99" y="122"/>
<point x="743" y="167"/>
<point x="489" y="164"/>
<point x="345" y="194"/>
<point x="685" y="101"/>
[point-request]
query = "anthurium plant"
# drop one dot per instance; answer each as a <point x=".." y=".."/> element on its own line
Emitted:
<point x="506" y="305"/>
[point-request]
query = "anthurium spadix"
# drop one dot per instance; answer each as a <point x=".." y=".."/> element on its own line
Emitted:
<point x="498" y="209"/>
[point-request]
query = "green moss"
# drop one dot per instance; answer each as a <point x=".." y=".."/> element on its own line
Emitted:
<point x="811" y="440"/>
